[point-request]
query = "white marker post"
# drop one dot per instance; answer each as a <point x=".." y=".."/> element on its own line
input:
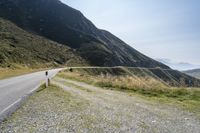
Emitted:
<point x="47" y="79"/>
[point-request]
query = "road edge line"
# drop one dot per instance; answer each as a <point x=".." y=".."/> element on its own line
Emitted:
<point x="8" y="111"/>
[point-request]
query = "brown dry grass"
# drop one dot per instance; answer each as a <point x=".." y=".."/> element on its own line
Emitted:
<point x="7" y="73"/>
<point x="142" y="85"/>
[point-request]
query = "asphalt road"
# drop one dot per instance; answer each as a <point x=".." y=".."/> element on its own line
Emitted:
<point x="13" y="90"/>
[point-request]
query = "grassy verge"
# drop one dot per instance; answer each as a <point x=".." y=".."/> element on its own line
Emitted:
<point x="7" y="73"/>
<point x="149" y="88"/>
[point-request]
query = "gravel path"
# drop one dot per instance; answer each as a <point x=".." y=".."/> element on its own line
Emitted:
<point x="87" y="109"/>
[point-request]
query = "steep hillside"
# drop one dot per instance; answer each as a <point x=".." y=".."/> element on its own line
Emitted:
<point x="48" y="32"/>
<point x="194" y="73"/>
<point x="22" y="48"/>
<point x="63" y="24"/>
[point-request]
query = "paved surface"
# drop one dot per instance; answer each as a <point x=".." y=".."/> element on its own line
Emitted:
<point x="13" y="90"/>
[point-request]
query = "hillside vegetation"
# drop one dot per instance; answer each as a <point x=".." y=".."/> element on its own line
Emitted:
<point x="48" y="33"/>
<point x="56" y="21"/>
<point x="19" y="48"/>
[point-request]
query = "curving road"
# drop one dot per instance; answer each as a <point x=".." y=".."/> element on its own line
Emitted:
<point x="14" y="90"/>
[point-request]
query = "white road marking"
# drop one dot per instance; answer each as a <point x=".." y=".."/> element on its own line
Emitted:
<point x="10" y="106"/>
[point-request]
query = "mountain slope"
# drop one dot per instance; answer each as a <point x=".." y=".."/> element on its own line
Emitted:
<point x="63" y="24"/>
<point x="48" y="32"/>
<point x="194" y="73"/>
<point x="20" y="47"/>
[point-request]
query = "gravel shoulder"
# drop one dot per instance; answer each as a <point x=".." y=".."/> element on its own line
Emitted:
<point x="72" y="106"/>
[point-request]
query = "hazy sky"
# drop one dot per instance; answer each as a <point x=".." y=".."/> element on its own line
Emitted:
<point x="158" y="28"/>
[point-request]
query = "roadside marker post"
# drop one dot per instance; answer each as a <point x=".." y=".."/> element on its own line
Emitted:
<point x="47" y="79"/>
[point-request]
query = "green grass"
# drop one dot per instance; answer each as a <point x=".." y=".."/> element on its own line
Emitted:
<point x="190" y="105"/>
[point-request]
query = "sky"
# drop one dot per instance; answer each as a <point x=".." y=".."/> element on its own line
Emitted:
<point x="166" y="30"/>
